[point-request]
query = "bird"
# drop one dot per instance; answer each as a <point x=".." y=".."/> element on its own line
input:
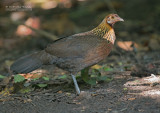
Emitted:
<point x="73" y="53"/>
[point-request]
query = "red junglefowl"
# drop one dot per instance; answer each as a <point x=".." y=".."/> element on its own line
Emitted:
<point x="75" y="52"/>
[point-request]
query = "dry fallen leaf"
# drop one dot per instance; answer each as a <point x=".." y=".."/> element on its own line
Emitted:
<point x="96" y="66"/>
<point x="60" y="92"/>
<point x="27" y="100"/>
<point x="6" y="91"/>
<point x="127" y="45"/>
<point x="31" y="75"/>
<point x="93" y="94"/>
<point x="131" y="99"/>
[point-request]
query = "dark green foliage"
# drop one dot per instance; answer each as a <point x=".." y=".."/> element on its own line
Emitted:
<point x="94" y="77"/>
<point x="18" y="78"/>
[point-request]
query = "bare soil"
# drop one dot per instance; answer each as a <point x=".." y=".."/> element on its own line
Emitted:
<point x="124" y="94"/>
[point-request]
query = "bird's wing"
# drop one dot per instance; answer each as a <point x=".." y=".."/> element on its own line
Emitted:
<point x="74" y="46"/>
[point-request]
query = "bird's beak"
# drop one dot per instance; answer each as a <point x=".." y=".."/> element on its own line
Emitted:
<point x="120" y="19"/>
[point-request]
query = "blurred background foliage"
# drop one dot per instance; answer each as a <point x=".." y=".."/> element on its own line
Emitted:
<point x="66" y="17"/>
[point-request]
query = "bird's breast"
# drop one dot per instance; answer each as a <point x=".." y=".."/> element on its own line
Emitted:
<point x="110" y="36"/>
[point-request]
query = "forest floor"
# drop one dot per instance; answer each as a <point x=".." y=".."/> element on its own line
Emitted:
<point x="123" y="94"/>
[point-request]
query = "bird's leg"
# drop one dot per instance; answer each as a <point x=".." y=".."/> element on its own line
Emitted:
<point x="76" y="84"/>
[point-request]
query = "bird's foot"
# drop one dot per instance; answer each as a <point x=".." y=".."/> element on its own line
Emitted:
<point x="84" y="95"/>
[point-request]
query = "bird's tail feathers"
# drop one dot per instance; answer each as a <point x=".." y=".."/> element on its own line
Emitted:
<point x="30" y="62"/>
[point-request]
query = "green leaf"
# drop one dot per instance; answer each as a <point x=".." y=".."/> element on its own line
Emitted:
<point x="42" y="85"/>
<point x="1" y="76"/>
<point x="35" y="79"/>
<point x="18" y="78"/>
<point x="27" y="84"/>
<point x="124" y="89"/>
<point x="46" y="78"/>
<point x="120" y="63"/>
<point x="84" y="74"/>
<point x="93" y="76"/>
<point x="108" y="69"/>
<point x="62" y="77"/>
<point x="109" y="79"/>
<point x="25" y="90"/>
<point x="96" y="72"/>
<point x="103" y="78"/>
<point x="91" y="82"/>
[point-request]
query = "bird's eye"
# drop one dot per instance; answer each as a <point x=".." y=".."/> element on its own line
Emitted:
<point x="112" y="17"/>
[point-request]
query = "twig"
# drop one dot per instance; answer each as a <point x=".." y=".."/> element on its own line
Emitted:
<point x="38" y="31"/>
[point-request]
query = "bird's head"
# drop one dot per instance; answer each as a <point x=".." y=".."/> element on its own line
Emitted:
<point x="107" y="25"/>
<point x="112" y="19"/>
